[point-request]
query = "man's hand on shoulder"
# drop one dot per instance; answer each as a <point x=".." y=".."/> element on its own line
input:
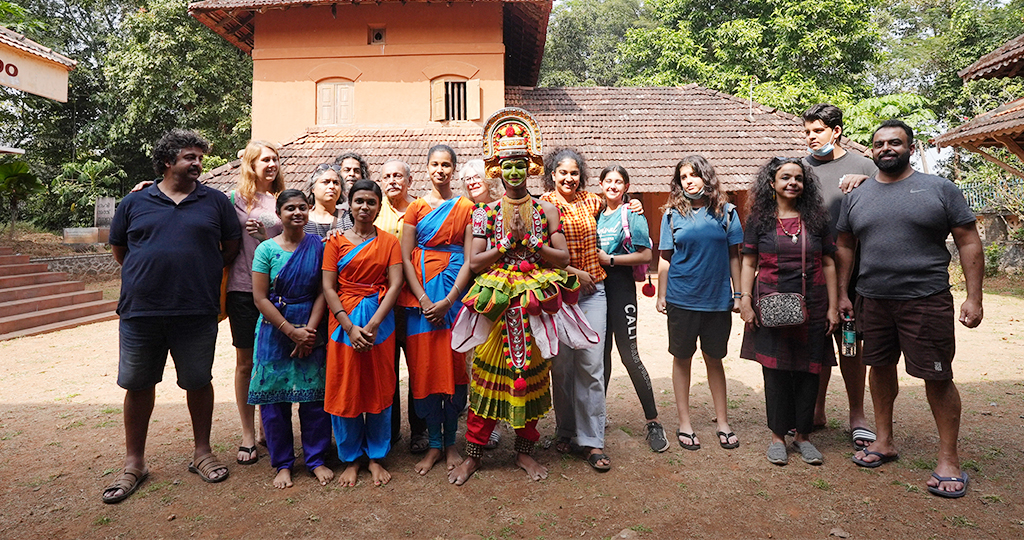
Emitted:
<point x="850" y="181"/>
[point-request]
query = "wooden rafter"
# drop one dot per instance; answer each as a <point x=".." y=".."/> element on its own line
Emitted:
<point x="993" y="159"/>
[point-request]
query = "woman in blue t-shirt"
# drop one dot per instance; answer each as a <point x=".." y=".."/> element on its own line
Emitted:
<point x="618" y="257"/>
<point x="700" y="239"/>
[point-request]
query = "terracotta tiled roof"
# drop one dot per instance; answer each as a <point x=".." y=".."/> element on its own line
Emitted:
<point x="321" y="145"/>
<point x="1006" y="61"/>
<point x="646" y="130"/>
<point x="13" y="39"/>
<point x="1006" y="121"/>
<point x="525" y="27"/>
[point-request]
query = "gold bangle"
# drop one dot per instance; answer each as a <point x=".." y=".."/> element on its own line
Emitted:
<point x="282" y="324"/>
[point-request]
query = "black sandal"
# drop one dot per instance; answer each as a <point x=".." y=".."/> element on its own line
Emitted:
<point x="694" y="445"/>
<point x="251" y="450"/>
<point x="728" y="445"/>
<point x="594" y="461"/>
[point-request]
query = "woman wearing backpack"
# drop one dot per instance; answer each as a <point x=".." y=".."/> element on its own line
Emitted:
<point x="700" y="240"/>
<point x="624" y="247"/>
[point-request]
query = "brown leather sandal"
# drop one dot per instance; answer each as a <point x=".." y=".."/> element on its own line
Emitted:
<point x="207" y="465"/>
<point x="129" y="481"/>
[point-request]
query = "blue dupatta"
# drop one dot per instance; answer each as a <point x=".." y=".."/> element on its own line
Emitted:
<point x="439" y="286"/>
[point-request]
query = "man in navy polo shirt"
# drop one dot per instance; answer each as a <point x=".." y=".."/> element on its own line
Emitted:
<point x="172" y="240"/>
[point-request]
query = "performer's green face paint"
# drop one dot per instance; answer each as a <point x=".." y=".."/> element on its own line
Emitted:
<point x="513" y="171"/>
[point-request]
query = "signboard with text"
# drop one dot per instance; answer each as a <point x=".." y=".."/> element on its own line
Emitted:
<point x="32" y="74"/>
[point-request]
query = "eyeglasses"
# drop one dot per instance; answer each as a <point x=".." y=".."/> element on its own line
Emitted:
<point x="324" y="166"/>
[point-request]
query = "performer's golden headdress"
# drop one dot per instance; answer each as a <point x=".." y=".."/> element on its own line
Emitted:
<point x="511" y="133"/>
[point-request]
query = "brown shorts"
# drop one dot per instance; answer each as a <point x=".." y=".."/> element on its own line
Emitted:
<point x="922" y="329"/>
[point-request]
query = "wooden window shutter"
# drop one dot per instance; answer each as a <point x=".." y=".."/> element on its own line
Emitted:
<point x="325" y="103"/>
<point x="344" y="112"/>
<point x="437" y="101"/>
<point x="473" y="99"/>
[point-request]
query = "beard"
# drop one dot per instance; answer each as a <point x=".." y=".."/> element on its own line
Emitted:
<point x="893" y="166"/>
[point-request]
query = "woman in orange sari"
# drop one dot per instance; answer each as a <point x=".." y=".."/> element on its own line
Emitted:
<point x="435" y="234"/>
<point x="362" y="277"/>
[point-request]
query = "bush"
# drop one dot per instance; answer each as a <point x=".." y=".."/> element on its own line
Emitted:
<point x="70" y="199"/>
<point x="993" y="253"/>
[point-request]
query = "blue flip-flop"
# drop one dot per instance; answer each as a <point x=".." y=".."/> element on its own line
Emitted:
<point x="883" y="459"/>
<point x="949" y="494"/>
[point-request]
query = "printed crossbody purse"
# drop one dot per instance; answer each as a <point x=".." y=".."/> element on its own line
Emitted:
<point x="779" y="310"/>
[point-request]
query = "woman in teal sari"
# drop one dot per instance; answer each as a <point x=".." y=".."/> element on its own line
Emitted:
<point x="289" y="359"/>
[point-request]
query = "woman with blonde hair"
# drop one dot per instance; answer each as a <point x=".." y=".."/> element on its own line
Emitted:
<point x="700" y="250"/>
<point x="255" y="203"/>
<point x="475" y="184"/>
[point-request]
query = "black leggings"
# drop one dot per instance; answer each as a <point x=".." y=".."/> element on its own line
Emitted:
<point x="620" y="290"/>
<point x="789" y="400"/>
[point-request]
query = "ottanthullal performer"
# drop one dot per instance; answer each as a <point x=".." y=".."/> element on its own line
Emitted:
<point x="522" y="300"/>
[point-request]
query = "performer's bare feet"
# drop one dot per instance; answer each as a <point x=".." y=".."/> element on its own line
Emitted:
<point x="453" y="457"/>
<point x="380" y="475"/>
<point x="323" y="474"/>
<point x="460" y="474"/>
<point x="283" y="479"/>
<point x="428" y="461"/>
<point x="350" y="475"/>
<point x="534" y="470"/>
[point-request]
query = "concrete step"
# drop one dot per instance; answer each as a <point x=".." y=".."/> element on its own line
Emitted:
<point x="28" y="305"/>
<point x="43" y="289"/>
<point x="14" y="259"/>
<point x="54" y="315"/>
<point x="60" y="325"/>
<point x="22" y="268"/>
<point x="31" y="279"/>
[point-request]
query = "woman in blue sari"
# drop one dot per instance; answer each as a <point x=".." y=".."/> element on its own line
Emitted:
<point x="433" y="243"/>
<point x="289" y="359"/>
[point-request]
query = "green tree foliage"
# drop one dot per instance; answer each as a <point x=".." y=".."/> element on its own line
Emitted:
<point x="167" y="70"/>
<point x="141" y="71"/>
<point x="929" y="41"/>
<point x="583" y="38"/>
<point x="861" y="119"/>
<point x="70" y="198"/>
<point x="785" y="53"/>
<point x="17" y="184"/>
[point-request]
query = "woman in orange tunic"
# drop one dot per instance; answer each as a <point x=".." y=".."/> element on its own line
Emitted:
<point x="362" y="277"/>
<point x="435" y="234"/>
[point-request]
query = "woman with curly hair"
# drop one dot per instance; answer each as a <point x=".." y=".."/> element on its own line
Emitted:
<point x="255" y="202"/>
<point x="788" y="248"/>
<point x="577" y="374"/>
<point x="700" y="238"/>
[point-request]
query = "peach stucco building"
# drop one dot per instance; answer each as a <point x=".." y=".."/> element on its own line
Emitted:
<point x="379" y="64"/>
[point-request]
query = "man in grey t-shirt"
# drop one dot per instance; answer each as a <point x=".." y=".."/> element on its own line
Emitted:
<point x="831" y="163"/>
<point x="901" y="219"/>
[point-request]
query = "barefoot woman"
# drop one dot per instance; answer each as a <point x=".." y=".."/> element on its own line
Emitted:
<point x="361" y="280"/>
<point x="520" y="251"/>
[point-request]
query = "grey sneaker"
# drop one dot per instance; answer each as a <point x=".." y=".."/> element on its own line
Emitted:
<point x="656" y="437"/>
<point x="777" y="453"/>
<point x="809" y="453"/>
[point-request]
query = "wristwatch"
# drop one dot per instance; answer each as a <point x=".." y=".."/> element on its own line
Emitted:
<point x="613" y="260"/>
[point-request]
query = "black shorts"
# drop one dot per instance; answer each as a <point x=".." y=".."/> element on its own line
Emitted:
<point x="921" y="328"/>
<point x="242" y="317"/>
<point x="145" y="341"/>
<point x="685" y="326"/>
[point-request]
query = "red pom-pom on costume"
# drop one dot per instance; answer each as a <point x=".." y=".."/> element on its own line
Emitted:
<point x="526" y="266"/>
<point x="648" y="290"/>
<point x="520" y="384"/>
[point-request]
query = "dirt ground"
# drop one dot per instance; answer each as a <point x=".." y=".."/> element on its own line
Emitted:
<point x="61" y="441"/>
